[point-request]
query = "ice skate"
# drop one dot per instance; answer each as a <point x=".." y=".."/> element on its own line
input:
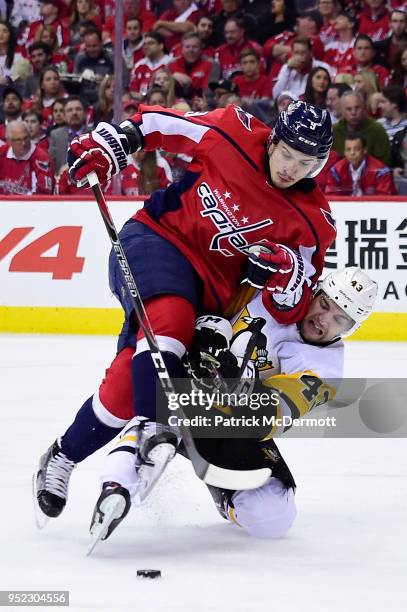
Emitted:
<point x="157" y="445"/>
<point x="111" y="508"/>
<point x="50" y="484"/>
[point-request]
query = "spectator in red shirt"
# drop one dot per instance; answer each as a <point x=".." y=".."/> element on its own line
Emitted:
<point x="317" y="85"/>
<point x="47" y="34"/>
<point x="24" y="168"/>
<point x="131" y="8"/>
<point x="177" y="21"/>
<point x="374" y="19"/>
<point x="154" y="59"/>
<point x="204" y="29"/>
<point x="228" y="55"/>
<point x="191" y="71"/>
<point x="364" y="54"/>
<point x="308" y="25"/>
<point x="251" y="84"/>
<point x="359" y="173"/>
<point x="339" y="52"/>
<point x="388" y="49"/>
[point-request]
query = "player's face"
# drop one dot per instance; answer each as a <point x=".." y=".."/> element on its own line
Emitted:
<point x="324" y="320"/>
<point x="288" y="166"/>
<point x="354" y="152"/>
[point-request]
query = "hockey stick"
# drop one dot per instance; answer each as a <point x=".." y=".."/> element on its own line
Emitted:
<point x="209" y="473"/>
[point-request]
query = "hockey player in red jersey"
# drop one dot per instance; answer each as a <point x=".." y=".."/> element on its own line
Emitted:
<point x="247" y="207"/>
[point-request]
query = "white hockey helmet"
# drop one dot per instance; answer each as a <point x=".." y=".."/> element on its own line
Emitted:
<point x="353" y="291"/>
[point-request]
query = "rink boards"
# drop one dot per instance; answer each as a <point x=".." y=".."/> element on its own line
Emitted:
<point x="53" y="263"/>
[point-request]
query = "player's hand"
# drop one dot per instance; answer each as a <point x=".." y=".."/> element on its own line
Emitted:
<point x="270" y="266"/>
<point x="104" y="151"/>
<point x="210" y="350"/>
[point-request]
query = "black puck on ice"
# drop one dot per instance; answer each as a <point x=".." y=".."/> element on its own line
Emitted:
<point x="148" y="573"/>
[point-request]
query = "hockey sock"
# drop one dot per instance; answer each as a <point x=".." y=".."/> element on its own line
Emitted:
<point x="172" y="319"/>
<point x="147" y="392"/>
<point x="87" y="433"/>
<point x="120" y="464"/>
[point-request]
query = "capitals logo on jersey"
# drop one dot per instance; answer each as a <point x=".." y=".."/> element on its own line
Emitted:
<point x="226" y="223"/>
<point x="244" y="117"/>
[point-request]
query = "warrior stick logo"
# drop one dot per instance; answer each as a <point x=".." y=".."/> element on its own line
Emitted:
<point x="227" y="230"/>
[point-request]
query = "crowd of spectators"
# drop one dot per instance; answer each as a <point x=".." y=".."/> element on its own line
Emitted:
<point x="57" y="80"/>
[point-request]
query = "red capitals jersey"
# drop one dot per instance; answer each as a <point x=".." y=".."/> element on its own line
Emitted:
<point x="340" y="55"/>
<point x="143" y="71"/>
<point x="228" y="57"/>
<point x="375" y="179"/>
<point x="34" y="173"/>
<point x="199" y="72"/>
<point x="258" y="88"/>
<point x="378" y="28"/>
<point x="225" y="202"/>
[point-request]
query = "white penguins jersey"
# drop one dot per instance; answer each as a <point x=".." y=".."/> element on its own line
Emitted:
<point x="305" y="375"/>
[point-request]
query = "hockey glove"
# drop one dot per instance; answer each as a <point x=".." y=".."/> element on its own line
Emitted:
<point x="275" y="268"/>
<point x="104" y="151"/>
<point x="209" y="350"/>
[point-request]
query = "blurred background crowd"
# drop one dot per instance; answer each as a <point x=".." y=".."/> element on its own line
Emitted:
<point x="57" y="80"/>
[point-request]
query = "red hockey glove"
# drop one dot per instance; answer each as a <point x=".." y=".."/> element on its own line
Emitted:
<point x="104" y="151"/>
<point x="272" y="267"/>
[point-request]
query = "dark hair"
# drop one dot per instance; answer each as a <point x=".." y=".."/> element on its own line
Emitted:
<point x="152" y="91"/>
<point x="159" y="38"/>
<point x="398" y="10"/>
<point x="32" y="111"/>
<point x="135" y="19"/>
<point x="59" y="101"/>
<point x="364" y="37"/>
<point x="93" y="30"/>
<point x="209" y="17"/>
<point x="398" y="73"/>
<point x="48" y="68"/>
<point x="247" y="51"/>
<point x="74" y="98"/>
<point x="340" y="88"/>
<point x="40" y="46"/>
<point x="396" y="95"/>
<point x="11" y="45"/>
<point x="302" y="40"/>
<point x="310" y="95"/>
<point x="356" y="136"/>
<point x="314" y="15"/>
<point x="350" y="18"/>
<point x="239" y="21"/>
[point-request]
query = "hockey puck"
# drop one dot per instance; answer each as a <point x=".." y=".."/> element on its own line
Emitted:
<point x="148" y="573"/>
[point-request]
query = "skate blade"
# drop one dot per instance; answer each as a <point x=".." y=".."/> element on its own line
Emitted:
<point x="40" y="518"/>
<point x="112" y="508"/>
<point x="160" y="456"/>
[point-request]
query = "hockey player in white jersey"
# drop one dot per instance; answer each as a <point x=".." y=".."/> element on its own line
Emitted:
<point x="302" y="362"/>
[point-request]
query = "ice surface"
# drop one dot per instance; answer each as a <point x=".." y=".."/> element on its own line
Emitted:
<point x="346" y="550"/>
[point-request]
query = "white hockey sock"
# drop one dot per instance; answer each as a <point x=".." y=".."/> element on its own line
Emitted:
<point x="120" y="465"/>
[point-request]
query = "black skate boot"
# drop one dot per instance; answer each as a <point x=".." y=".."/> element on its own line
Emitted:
<point x="50" y="484"/>
<point x="111" y="508"/>
<point x="157" y="445"/>
<point x="223" y="501"/>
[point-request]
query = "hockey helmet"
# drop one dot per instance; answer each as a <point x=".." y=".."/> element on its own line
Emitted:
<point x="353" y="291"/>
<point x="306" y="128"/>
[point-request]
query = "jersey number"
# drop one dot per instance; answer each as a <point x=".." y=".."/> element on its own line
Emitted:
<point x="33" y="258"/>
<point x="312" y="389"/>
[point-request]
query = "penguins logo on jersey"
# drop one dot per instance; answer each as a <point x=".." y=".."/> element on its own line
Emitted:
<point x="243" y="330"/>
